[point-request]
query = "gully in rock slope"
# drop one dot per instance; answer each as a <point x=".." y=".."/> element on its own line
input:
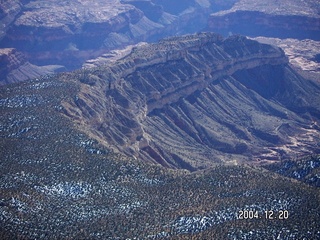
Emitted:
<point x="196" y="100"/>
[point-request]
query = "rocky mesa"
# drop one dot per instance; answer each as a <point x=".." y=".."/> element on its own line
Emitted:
<point x="67" y="34"/>
<point x="196" y="100"/>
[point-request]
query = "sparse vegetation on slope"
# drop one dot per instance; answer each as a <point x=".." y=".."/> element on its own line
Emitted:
<point x="56" y="182"/>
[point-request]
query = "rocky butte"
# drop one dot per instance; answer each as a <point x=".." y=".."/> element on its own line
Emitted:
<point x="197" y="100"/>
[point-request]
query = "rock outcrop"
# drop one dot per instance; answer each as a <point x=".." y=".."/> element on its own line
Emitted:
<point x="69" y="33"/>
<point x="197" y="100"/>
<point x="59" y="183"/>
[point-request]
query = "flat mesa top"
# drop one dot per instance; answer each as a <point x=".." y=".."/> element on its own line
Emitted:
<point x="58" y="13"/>
<point x="308" y="8"/>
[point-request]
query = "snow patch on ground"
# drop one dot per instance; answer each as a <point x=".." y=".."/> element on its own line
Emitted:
<point x="67" y="189"/>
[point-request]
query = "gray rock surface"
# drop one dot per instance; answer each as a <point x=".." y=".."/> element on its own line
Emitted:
<point x="68" y="33"/>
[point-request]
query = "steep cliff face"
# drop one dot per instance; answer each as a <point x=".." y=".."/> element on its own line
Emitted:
<point x="283" y="19"/>
<point x="49" y="31"/>
<point x="10" y="59"/>
<point x="193" y="101"/>
<point x="66" y="33"/>
<point x="71" y="32"/>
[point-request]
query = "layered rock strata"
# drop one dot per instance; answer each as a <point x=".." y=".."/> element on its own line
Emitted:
<point x="303" y="54"/>
<point x="197" y="100"/>
<point x="69" y="33"/>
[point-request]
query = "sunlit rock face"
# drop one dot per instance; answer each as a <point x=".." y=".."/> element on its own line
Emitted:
<point x="197" y="100"/>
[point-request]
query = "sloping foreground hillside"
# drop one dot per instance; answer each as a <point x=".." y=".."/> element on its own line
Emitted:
<point x="306" y="169"/>
<point x="57" y="181"/>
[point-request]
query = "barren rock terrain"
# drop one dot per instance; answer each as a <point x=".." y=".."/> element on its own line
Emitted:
<point x="303" y="54"/>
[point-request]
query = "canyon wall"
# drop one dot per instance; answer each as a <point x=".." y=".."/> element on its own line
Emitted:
<point x="69" y="33"/>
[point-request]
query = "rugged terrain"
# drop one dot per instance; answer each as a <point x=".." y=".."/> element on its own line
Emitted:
<point x="193" y="137"/>
<point x="14" y="67"/>
<point x="194" y="101"/>
<point x="302" y="54"/>
<point x="74" y="146"/>
<point x="59" y="183"/>
<point x="282" y="19"/>
<point x="67" y="34"/>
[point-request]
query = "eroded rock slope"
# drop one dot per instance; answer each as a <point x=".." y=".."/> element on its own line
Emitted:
<point x="57" y="32"/>
<point x="193" y="101"/>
